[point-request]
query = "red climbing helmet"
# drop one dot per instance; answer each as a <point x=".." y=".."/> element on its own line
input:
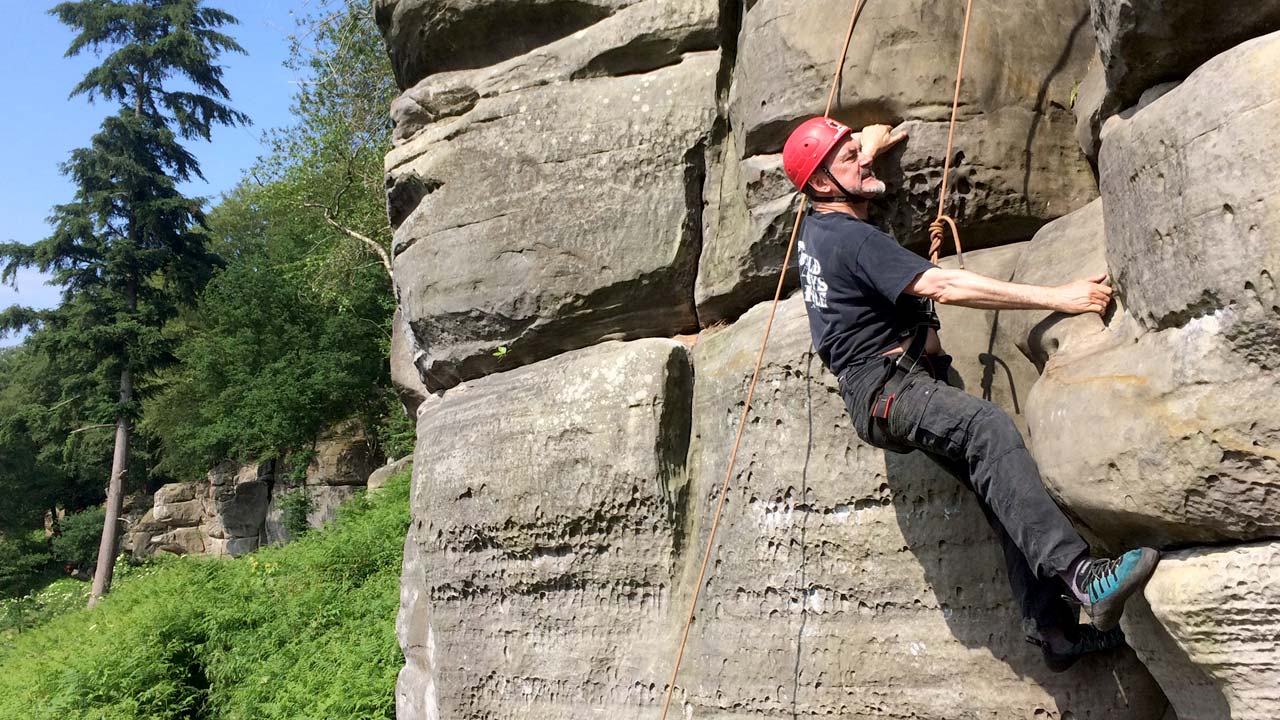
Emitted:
<point x="807" y="145"/>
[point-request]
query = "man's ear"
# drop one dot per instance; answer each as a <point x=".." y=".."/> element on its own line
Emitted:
<point x="820" y="183"/>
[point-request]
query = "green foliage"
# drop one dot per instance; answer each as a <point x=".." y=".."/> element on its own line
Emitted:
<point x="294" y="333"/>
<point x="264" y="364"/>
<point x="24" y="560"/>
<point x="394" y="430"/>
<point x="306" y="630"/>
<point x="292" y="327"/>
<point x="24" y="612"/>
<point x="128" y="248"/>
<point x="294" y="506"/>
<point x="77" y="545"/>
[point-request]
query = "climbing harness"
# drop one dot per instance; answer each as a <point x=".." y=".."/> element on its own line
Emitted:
<point x="935" y="236"/>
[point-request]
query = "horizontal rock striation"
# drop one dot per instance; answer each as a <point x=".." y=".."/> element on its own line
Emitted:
<point x="562" y="215"/>
<point x="579" y="202"/>
<point x="544" y="579"/>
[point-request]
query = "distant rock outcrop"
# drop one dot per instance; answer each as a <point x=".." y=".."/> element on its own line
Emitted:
<point x="590" y="216"/>
<point x="236" y="509"/>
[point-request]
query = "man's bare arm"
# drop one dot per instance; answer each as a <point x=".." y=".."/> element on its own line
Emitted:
<point x="969" y="289"/>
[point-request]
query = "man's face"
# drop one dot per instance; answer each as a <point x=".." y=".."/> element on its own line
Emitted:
<point x="852" y="168"/>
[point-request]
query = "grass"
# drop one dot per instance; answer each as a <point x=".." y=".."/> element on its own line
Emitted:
<point x="306" y="630"/>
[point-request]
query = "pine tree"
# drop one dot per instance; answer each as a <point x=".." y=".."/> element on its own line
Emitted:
<point x="129" y="249"/>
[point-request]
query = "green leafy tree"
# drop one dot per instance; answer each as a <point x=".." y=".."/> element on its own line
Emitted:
<point x="128" y="250"/>
<point x="293" y="334"/>
<point x="329" y="163"/>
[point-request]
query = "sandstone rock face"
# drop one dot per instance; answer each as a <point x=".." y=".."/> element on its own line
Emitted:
<point x="342" y="457"/>
<point x="1145" y="42"/>
<point x="567" y="198"/>
<point x="546" y="572"/>
<point x="1189" y="359"/>
<point x="1070" y="248"/>
<point x="1213" y="200"/>
<point x="236" y="509"/>
<point x="1016" y="161"/>
<point x="404" y="370"/>
<point x="1209" y="631"/>
<point x="845" y="584"/>
<point x="514" y="247"/>
<point x="429" y="36"/>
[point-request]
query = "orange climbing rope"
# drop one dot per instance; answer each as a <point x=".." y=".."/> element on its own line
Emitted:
<point x="935" y="233"/>
<point x="935" y="228"/>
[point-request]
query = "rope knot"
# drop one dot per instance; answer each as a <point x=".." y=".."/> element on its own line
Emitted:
<point x="937" y="233"/>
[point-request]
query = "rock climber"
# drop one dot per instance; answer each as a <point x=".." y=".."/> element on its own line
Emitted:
<point x="870" y="307"/>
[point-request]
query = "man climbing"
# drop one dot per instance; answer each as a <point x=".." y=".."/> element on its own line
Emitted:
<point x="870" y="307"/>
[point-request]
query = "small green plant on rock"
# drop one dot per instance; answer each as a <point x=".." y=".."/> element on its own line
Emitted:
<point x="295" y="504"/>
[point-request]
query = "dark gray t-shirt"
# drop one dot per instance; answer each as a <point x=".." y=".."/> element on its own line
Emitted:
<point x="853" y="276"/>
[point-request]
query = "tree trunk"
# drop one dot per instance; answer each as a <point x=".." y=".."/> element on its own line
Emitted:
<point x="115" y="489"/>
<point x="115" y="497"/>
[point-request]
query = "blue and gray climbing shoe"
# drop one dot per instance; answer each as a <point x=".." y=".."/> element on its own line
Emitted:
<point x="1103" y="585"/>
<point x="1084" y="639"/>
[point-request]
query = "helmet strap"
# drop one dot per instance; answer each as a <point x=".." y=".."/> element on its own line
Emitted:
<point x="848" y="196"/>
<point x="845" y="195"/>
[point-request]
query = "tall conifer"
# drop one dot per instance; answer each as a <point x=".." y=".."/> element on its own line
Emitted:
<point x="128" y="249"/>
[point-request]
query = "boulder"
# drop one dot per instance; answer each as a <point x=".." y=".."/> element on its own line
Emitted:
<point x="238" y="511"/>
<point x="179" y="541"/>
<point x="1070" y="248"/>
<point x="1208" y="629"/>
<point x="563" y="215"/>
<point x="1159" y="438"/>
<point x="547" y="516"/>
<point x="641" y="37"/>
<point x="1191" y="208"/>
<point x="750" y="209"/>
<point x="1145" y="42"/>
<point x="1016" y="162"/>
<point x="386" y="472"/>
<point x="178" y="505"/>
<point x="1191" y="370"/>
<point x="176" y="493"/>
<point x="1160" y="428"/>
<point x="848" y="582"/>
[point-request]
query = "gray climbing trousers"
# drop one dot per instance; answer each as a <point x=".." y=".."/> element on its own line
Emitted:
<point x="980" y="445"/>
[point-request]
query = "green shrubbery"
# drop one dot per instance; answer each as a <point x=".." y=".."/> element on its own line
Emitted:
<point x="24" y="561"/>
<point x="300" y="631"/>
<point x="76" y="546"/>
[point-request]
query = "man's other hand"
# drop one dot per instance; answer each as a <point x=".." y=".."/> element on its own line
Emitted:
<point x="1083" y="296"/>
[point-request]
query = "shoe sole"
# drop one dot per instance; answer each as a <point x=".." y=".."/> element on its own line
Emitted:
<point x="1105" y="615"/>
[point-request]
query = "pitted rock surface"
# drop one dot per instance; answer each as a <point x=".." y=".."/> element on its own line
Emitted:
<point x="848" y="582"/>
<point x="1175" y="398"/>
<point x="1208" y="631"/>
<point x="549" y="515"/>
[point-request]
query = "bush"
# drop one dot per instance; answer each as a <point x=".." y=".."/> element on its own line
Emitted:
<point x="294" y="506"/>
<point x="304" y="630"/>
<point x="24" y="561"/>
<point x="77" y="545"/>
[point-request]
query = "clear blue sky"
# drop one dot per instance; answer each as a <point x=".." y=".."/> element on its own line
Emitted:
<point x="40" y="125"/>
